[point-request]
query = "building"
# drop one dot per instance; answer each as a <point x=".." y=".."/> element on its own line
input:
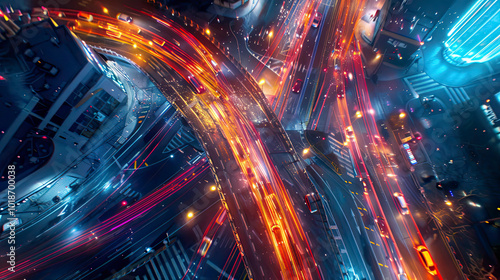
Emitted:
<point x="56" y="93"/>
<point x="402" y="27"/>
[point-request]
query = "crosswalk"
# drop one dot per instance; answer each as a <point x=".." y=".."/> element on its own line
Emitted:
<point x="343" y="154"/>
<point x="273" y="64"/>
<point x="171" y="263"/>
<point x="129" y="192"/>
<point x="180" y="139"/>
<point x="457" y="95"/>
<point x="421" y="84"/>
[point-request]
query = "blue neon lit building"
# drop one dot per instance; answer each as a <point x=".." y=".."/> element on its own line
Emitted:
<point x="476" y="36"/>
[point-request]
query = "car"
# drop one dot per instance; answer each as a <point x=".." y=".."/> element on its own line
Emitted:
<point x="278" y="234"/>
<point x="124" y="17"/>
<point x="402" y="203"/>
<point x="317" y="20"/>
<point x="85" y="16"/>
<point x="300" y="30"/>
<point x="349" y="132"/>
<point x="311" y="199"/>
<point x="340" y="94"/>
<point x="216" y="67"/>
<point x="205" y="244"/>
<point x="382" y="128"/>
<point x="405" y="136"/>
<point x="250" y="173"/>
<point x="297" y="86"/>
<point x="336" y="63"/>
<point x="426" y="259"/>
<point x="12" y="223"/>
<point x="382" y="226"/>
<point x="417" y="136"/>
<point x="240" y="151"/>
<point x="365" y="186"/>
<point x="197" y="85"/>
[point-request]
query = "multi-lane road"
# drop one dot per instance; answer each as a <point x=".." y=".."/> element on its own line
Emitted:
<point x="260" y="177"/>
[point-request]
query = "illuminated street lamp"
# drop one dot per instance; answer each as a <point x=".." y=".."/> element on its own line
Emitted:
<point x="213" y="188"/>
<point x="105" y="10"/>
<point x="261" y="83"/>
<point x="207" y="31"/>
<point x="269" y="36"/>
<point x="359" y="114"/>
<point x="402" y="115"/>
<point x="305" y="151"/>
<point x="190" y="215"/>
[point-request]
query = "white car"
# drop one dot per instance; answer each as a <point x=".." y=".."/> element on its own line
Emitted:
<point x="402" y="203"/>
<point x="124" y="17"/>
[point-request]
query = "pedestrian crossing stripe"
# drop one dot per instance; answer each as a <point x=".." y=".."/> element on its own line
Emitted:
<point x="343" y="154"/>
<point x="171" y="263"/>
<point x="421" y="83"/>
<point x="129" y="192"/>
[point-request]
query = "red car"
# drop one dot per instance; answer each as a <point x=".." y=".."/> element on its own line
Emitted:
<point x="297" y="86"/>
<point x="382" y="225"/>
<point x="311" y="200"/>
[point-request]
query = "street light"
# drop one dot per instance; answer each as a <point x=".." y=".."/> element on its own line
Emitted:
<point x="305" y="151"/>
<point x="213" y="188"/>
<point x="207" y="31"/>
<point x="402" y="115"/>
<point x="269" y="36"/>
<point x="261" y="83"/>
<point x="105" y="10"/>
<point x="190" y="215"/>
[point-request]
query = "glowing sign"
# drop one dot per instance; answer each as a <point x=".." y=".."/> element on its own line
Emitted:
<point x="476" y="36"/>
<point x="413" y="161"/>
